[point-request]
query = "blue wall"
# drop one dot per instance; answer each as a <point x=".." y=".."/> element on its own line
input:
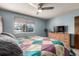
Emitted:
<point x="40" y="25"/>
<point x="8" y="19"/>
<point x="66" y="19"/>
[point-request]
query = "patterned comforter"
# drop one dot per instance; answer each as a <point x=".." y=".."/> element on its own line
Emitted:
<point x="42" y="46"/>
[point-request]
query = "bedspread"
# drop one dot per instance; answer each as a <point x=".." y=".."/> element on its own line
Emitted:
<point x="42" y="46"/>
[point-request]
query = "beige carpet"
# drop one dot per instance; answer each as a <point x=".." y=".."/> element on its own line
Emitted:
<point x="76" y="51"/>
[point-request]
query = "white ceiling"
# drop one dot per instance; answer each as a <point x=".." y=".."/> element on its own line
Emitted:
<point x="25" y="8"/>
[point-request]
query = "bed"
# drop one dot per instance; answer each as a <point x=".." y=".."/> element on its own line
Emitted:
<point x="42" y="46"/>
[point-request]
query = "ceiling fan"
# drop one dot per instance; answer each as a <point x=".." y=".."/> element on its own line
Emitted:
<point x="41" y="7"/>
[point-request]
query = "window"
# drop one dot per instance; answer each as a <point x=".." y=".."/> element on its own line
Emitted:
<point x="23" y="25"/>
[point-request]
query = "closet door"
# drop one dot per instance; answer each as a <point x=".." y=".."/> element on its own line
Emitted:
<point x="1" y="25"/>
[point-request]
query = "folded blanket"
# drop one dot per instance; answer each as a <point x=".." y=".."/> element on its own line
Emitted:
<point x="8" y="45"/>
<point x="8" y="37"/>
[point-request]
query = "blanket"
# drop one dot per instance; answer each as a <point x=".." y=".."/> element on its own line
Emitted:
<point x="42" y="46"/>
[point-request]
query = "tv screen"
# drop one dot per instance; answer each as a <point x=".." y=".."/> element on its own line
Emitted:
<point x="60" y="29"/>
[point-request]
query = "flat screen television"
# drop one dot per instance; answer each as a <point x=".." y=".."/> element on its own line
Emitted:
<point x="61" y="29"/>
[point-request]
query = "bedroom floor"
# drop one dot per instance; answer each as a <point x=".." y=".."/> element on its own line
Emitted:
<point x="76" y="51"/>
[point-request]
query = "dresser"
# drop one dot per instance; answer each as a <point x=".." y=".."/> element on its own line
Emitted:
<point x="62" y="37"/>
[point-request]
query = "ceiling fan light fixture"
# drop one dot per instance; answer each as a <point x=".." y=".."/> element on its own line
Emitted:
<point x="39" y="10"/>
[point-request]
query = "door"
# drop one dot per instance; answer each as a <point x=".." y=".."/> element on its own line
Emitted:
<point x="77" y="32"/>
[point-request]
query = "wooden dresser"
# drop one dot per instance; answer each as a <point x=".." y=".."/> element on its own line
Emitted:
<point x="62" y="37"/>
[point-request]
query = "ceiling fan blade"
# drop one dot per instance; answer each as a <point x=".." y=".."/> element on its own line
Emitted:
<point x="47" y="8"/>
